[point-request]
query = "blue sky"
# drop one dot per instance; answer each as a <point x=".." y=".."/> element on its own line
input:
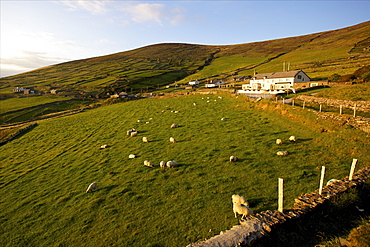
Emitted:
<point x="35" y="34"/>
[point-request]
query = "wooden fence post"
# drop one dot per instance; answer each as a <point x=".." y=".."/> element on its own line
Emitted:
<point x="280" y="194"/>
<point x="354" y="111"/>
<point x="293" y="102"/>
<point x="283" y="100"/>
<point x="354" y="161"/>
<point x="304" y="103"/>
<point x="340" y="110"/>
<point x="320" y="108"/>
<point x="322" y="179"/>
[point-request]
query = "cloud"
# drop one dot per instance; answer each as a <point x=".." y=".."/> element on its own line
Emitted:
<point x="93" y="6"/>
<point x="26" y="61"/>
<point x="153" y="13"/>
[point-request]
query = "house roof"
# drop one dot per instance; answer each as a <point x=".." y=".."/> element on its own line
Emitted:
<point x="285" y="74"/>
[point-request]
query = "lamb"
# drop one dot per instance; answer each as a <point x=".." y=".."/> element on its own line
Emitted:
<point x="174" y="126"/>
<point x="171" y="164"/>
<point x="239" y="199"/>
<point x="233" y="158"/>
<point x="92" y="187"/>
<point x="241" y="209"/>
<point x="145" y="139"/>
<point x="279" y="141"/>
<point x="132" y="156"/>
<point x="292" y="139"/>
<point x="282" y="153"/>
<point x="148" y="163"/>
<point x="162" y="164"/>
<point x="172" y="140"/>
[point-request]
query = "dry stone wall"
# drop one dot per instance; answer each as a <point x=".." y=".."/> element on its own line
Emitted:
<point x="360" y="105"/>
<point x="259" y="225"/>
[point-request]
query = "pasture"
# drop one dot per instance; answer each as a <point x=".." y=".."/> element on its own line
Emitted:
<point x="44" y="173"/>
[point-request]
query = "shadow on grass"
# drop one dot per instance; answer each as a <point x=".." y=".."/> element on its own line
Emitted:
<point x="332" y="220"/>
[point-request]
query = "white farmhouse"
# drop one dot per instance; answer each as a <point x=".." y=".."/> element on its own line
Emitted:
<point x="276" y="82"/>
<point x="214" y="83"/>
<point x="196" y="82"/>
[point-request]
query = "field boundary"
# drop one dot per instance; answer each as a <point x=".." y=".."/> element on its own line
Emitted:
<point x="259" y="225"/>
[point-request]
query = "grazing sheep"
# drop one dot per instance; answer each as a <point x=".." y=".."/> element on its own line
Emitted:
<point x="233" y="158"/>
<point x="282" y="153"/>
<point x="333" y="180"/>
<point x="162" y="164"/>
<point x="171" y="164"/>
<point x="133" y="133"/>
<point x="223" y="118"/>
<point x="239" y="199"/>
<point x="132" y="156"/>
<point x="173" y="140"/>
<point x="139" y="121"/>
<point x="279" y="141"/>
<point x="174" y="126"/>
<point x="103" y="146"/>
<point x="145" y="139"/>
<point x="292" y="139"/>
<point x="92" y="187"/>
<point x="241" y="209"/>
<point x="148" y="163"/>
<point x="129" y="131"/>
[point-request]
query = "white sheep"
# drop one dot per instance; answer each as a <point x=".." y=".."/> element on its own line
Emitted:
<point x="292" y="139"/>
<point x="172" y="140"/>
<point x="241" y="209"/>
<point x="133" y="133"/>
<point x="223" y="118"/>
<point x="162" y="164"/>
<point x="148" y="163"/>
<point x="145" y="139"/>
<point x="233" y="158"/>
<point x="333" y="180"/>
<point x="171" y="164"/>
<point x="279" y="141"/>
<point x="92" y="187"/>
<point x="132" y="156"/>
<point x="103" y="146"/>
<point x="129" y="131"/>
<point x="174" y="126"/>
<point x="239" y="199"/>
<point x="282" y="153"/>
<point x="139" y="121"/>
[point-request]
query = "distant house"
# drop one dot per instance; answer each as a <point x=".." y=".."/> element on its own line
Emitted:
<point x="196" y="82"/>
<point x="274" y="83"/>
<point x="214" y="83"/>
<point x="18" y="89"/>
<point x="190" y="86"/>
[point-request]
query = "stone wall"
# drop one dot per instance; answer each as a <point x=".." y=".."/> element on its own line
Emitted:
<point x="259" y="225"/>
<point x="360" y="105"/>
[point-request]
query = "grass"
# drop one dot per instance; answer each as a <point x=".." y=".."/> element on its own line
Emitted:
<point x="44" y="173"/>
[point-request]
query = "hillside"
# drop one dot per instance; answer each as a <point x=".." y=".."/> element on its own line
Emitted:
<point x="320" y="55"/>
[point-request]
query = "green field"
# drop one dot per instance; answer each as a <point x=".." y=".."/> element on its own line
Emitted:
<point x="45" y="172"/>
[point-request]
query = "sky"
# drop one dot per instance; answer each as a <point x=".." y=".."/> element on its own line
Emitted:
<point x="35" y="34"/>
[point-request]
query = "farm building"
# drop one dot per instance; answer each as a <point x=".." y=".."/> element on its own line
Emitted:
<point x="276" y="82"/>
<point x="196" y="82"/>
<point x="214" y="83"/>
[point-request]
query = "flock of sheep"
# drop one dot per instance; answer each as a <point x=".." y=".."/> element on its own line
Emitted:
<point x="240" y="204"/>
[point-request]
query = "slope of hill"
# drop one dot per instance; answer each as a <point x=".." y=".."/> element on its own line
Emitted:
<point x="320" y="55"/>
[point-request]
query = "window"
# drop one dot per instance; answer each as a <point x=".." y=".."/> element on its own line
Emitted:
<point x="299" y="77"/>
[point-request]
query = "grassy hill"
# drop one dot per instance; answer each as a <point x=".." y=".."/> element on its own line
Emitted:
<point x="319" y="55"/>
<point x="45" y="172"/>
